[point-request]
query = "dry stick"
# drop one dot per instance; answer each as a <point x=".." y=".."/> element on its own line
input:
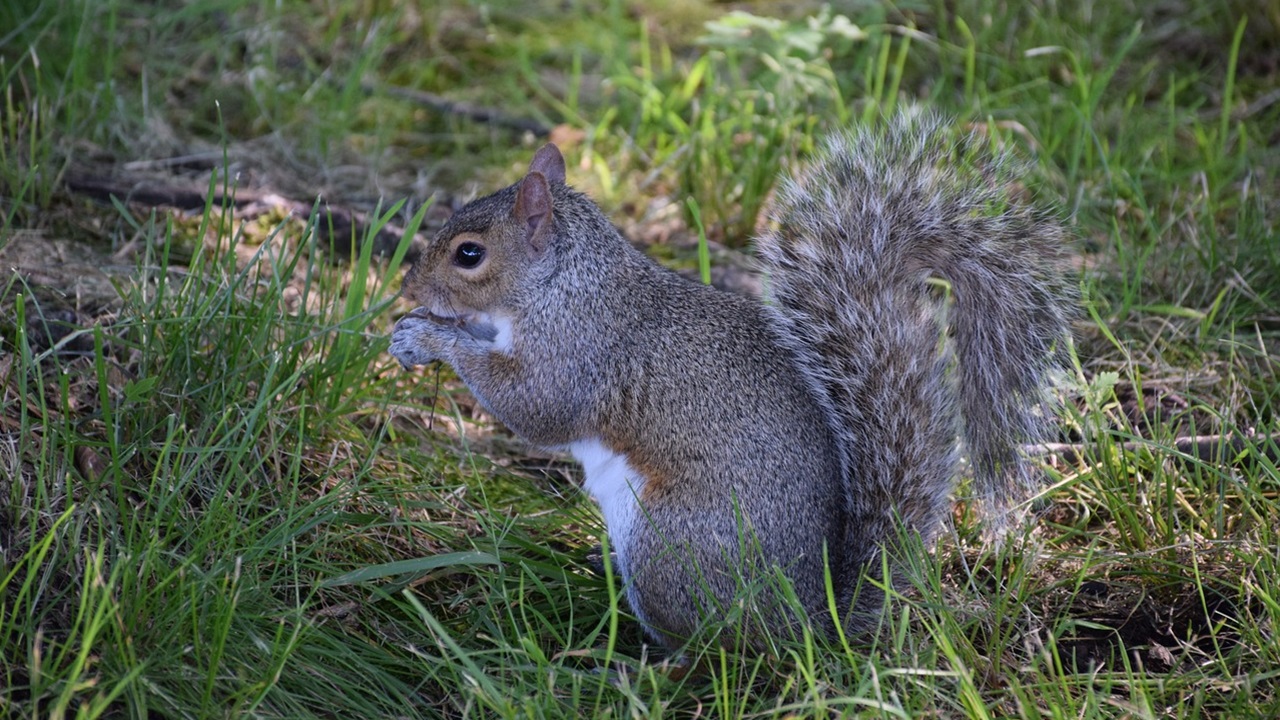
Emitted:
<point x="1208" y="448"/>
<point x="146" y="191"/>
<point x="478" y="113"/>
<point x="334" y="224"/>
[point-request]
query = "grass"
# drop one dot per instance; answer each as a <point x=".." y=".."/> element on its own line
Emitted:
<point x="219" y="497"/>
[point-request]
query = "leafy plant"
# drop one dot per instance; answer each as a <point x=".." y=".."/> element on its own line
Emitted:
<point x="727" y="122"/>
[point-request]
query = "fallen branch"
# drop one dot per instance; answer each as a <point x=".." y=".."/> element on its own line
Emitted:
<point x="1207" y="448"/>
<point x="335" y="226"/>
<point x="478" y="113"/>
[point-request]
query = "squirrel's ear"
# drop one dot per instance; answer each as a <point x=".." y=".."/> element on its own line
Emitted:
<point x="549" y="162"/>
<point x="534" y="206"/>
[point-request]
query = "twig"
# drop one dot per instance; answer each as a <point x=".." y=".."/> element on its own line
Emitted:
<point x="478" y="113"/>
<point x="1209" y="448"/>
<point x="334" y="225"/>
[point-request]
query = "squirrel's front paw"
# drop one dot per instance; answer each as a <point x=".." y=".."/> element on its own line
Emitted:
<point x="419" y="340"/>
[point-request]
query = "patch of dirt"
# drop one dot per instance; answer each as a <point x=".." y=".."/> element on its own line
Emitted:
<point x="1157" y="406"/>
<point x="1208" y="43"/>
<point x="65" y="275"/>
<point x="1144" y="410"/>
<point x="1161" y="629"/>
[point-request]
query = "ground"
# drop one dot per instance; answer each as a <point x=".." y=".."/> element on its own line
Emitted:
<point x="220" y="497"/>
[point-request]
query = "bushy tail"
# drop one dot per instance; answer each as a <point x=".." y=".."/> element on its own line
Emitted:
<point x="861" y="240"/>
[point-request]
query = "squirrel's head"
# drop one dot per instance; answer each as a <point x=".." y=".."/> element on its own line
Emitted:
<point x="483" y="258"/>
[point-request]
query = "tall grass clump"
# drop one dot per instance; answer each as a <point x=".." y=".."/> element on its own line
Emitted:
<point x="57" y="63"/>
<point x="172" y="474"/>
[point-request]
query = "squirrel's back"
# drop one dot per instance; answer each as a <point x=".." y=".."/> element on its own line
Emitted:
<point x="894" y="239"/>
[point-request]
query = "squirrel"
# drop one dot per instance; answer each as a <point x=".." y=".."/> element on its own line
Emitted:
<point x="914" y="304"/>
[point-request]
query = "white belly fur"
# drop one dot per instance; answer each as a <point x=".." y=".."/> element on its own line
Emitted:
<point x="615" y="486"/>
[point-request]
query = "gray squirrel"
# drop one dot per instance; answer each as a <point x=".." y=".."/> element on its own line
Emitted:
<point x="915" y="305"/>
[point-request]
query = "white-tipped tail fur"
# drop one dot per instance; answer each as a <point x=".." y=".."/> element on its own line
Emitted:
<point x="876" y="219"/>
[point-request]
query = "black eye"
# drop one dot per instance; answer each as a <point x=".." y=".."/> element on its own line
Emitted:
<point x="468" y="255"/>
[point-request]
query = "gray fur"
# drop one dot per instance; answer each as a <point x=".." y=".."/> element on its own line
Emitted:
<point x="769" y="435"/>
<point x="884" y="211"/>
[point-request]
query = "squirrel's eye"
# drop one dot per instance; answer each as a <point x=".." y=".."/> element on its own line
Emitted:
<point x="468" y="255"/>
